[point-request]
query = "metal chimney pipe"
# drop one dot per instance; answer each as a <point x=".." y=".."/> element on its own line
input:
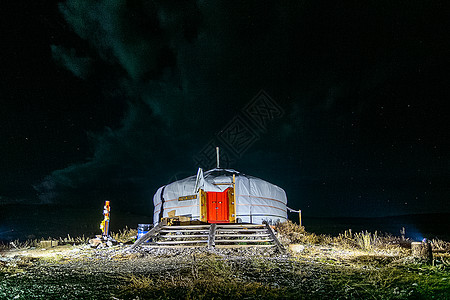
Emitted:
<point x="217" y="152"/>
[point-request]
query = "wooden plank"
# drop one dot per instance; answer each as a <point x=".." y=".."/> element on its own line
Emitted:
<point x="151" y="233"/>
<point x="243" y="241"/>
<point x="239" y="226"/>
<point x="183" y="236"/>
<point x="191" y="223"/>
<point x="181" y="242"/>
<point x="241" y="231"/>
<point x="186" y="227"/>
<point x="173" y="246"/>
<point x="187" y="230"/>
<point x="203" y="246"/>
<point x="243" y="235"/>
<point x="242" y="246"/>
<point x="277" y="242"/>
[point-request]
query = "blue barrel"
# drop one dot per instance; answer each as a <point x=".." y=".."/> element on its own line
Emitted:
<point x="143" y="229"/>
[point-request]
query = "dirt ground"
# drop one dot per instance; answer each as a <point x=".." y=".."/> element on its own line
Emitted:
<point x="310" y="271"/>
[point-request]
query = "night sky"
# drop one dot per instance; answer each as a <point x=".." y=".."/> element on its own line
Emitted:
<point x="111" y="99"/>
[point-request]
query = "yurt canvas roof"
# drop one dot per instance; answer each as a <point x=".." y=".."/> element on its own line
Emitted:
<point x="256" y="200"/>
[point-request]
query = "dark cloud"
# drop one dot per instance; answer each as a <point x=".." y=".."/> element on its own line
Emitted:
<point x="137" y="42"/>
<point x="140" y="36"/>
<point x="79" y="66"/>
<point x="185" y="68"/>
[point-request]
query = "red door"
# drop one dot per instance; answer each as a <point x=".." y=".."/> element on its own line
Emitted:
<point x="217" y="204"/>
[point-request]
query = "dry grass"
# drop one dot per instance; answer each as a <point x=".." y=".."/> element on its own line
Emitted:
<point x="73" y="240"/>
<point x="366" y="240"/>
<point x="209" y="277"/>
<point x="440" y="245"/>
<point x="125" y="235"/>
<point x="351" y="265"/>
<point x="19" y="245"/>
<point x="177" y="287"/>
<point x="36" y="243"/>
<point x="368" y="265"/>
<point x="291" y="233"/>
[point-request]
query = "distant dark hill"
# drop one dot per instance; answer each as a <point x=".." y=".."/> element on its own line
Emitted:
<point x="37" y="221"/>
<point x="417" y="226"/>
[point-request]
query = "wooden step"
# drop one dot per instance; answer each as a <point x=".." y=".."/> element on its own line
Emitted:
<point x="240" y="226"/>
<point x="242" y="246"/>
<point x="224" y="235"/>
<point x="183" y="236"/>
<point x="242" y="235"/>
<point x="173" y="246"/>
<point x="187" y="227"/>
<point x="243" y="241"/>
<point x="241" y="230"/>
<point x="181" y="231"/>
<point x="181" y="242"/>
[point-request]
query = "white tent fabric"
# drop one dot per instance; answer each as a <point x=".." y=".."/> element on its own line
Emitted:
<point x="256" y="200"/>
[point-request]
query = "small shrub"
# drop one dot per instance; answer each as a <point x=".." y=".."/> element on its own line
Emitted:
<point x="125" y="235"/>
<point x="17" y="244"/>
<point x="289" y="227"/>
<point x="366" y="240"/>
<point x="440" y="245"/>
<point x="295" y="233"/>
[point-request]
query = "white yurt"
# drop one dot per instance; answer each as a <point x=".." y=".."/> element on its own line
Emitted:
<point x="221" y="196"/>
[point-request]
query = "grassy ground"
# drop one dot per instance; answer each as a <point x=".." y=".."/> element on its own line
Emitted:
<point x="349" y="266"/>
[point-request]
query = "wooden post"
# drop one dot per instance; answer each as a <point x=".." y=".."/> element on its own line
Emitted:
<point x="300" y="217"/>
<point x="203" y="211"/>
<point x="422" y="250"/>
<point x="232" y="202"/>
<point x="104" y="225"/>
<point x="211" y="236"/>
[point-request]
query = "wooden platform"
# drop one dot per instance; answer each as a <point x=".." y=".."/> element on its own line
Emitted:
<point x="210" y="235"/>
